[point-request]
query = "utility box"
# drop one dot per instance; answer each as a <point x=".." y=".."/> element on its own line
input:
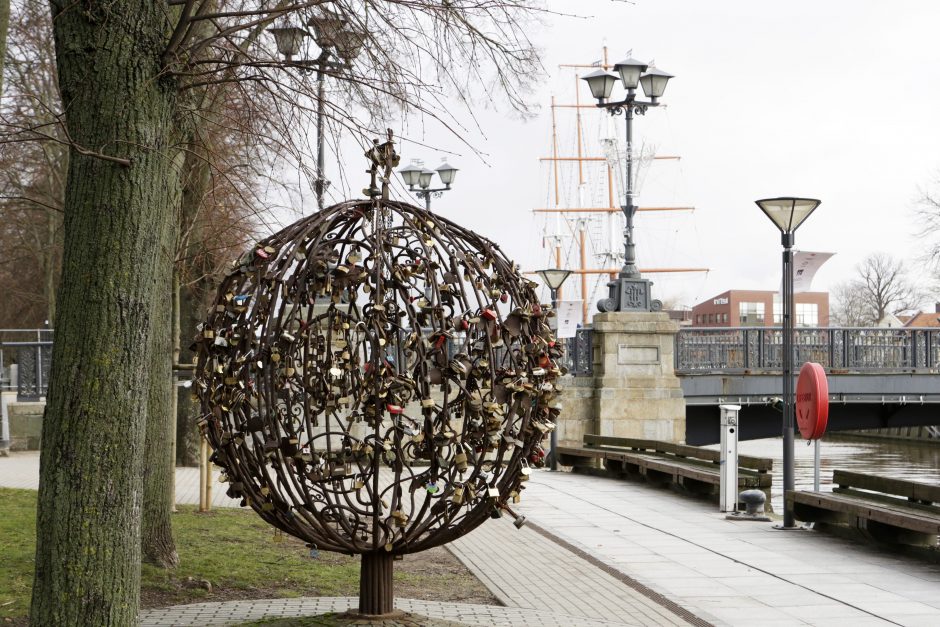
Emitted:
<point x="728" y="498"/>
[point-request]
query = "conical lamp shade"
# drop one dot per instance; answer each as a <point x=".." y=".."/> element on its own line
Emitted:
<point x="786" y="212"/>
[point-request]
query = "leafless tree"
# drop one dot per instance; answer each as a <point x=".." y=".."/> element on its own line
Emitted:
<point x="848" y="307"/>
<point x="126" y="121"/>
<point x="927" y="216"/>
<point x="882" y="286"/>
<point x="32" y="174"/>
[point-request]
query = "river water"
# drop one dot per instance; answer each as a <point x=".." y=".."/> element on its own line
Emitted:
<point x="902" y="459"/>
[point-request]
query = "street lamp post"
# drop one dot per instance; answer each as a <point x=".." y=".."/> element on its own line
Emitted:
<point x="553" y="278"/>
<point x="788" y="213"/>
<point x="629" y="292"/>
<point x="335" y="39"/>
<point x="417" y="174"/>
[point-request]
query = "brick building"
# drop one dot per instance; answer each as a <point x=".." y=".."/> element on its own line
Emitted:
<point x="759" y="308"/>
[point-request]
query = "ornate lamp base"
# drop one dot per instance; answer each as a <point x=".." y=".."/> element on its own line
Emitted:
<point x="627" y="294"/>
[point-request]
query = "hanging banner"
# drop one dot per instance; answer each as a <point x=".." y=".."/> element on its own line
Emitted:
<point x="805" y="266"/>
<point x="568" y="316"/>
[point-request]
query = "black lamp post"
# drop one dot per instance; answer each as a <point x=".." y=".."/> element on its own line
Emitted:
<point x="630" y="292"/>
<point x="788" y="214"/>
<point x="335" y="39"/>
<point x="416" y="174"/>
<point x="553" y="278"/>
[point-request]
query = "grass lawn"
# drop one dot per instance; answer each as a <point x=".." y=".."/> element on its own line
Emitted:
<point x="231" y="554"/>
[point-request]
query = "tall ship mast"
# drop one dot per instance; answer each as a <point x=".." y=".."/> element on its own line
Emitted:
<point x="582" y="222"/>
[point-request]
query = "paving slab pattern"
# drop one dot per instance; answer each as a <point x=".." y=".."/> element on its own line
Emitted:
<point x="539" y="581"/>
<point x="234" y="612"/>
<point x="712" y="569"/>
<point x="732" y="572"/>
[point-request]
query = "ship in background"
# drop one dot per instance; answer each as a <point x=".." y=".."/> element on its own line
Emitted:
<point x="581" y="222"/>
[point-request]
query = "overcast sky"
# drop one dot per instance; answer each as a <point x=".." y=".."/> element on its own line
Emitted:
<point x="836" y="100"/>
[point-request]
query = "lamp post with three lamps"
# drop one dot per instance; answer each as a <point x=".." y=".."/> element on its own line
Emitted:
<point x="629" y="292"/>
<point x="417" y="174"/>
<point x="788" y="213"/>
<point x="553" y="278"/>
<point x="334" y="38"/>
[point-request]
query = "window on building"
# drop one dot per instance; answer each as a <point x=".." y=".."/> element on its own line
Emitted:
<point x="807" y="315"/>
<point x="751" y="314"/>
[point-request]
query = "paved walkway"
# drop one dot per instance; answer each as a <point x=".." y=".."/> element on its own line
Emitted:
<point x="735" y="572"/>
<point x="608" y="552"/>
<point x="240" y="611"/>
<point x="539" y="581"/>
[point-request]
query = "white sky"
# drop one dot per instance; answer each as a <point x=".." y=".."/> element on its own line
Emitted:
<point x="836" y="100"/>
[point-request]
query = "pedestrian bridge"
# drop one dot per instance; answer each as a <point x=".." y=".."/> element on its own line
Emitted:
<point x="878" y="377"/>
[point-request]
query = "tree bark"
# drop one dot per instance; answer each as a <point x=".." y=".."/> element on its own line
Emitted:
<point x="156" y="532"/>
<point x="193" y="296"/>
<point x="88" y="520"/>
<point x="4" y="27"/>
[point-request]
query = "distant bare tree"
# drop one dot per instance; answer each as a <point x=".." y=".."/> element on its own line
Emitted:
<point x="32" y="174"/>
<point x="848" y="307"/>
<point x="884" y="286"/>
<point x="927" y="215"/>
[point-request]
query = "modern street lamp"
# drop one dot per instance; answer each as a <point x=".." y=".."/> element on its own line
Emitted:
<point x="335" y="39"/>
<point x="417" y="174"/>
<point x="553" y="278"/>
<point x="788" y="213"/>
<point x="629" y="292"/>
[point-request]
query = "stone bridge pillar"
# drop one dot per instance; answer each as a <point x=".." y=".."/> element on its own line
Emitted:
<point x="636" y="391"/>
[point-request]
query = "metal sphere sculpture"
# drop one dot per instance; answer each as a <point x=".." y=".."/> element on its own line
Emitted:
<point x="376" y="379"/>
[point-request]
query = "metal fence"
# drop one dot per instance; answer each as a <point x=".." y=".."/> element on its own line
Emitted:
<point x="697" y="350"/>
<point x="578" y="357"/>
<point x="30" y="350"/>
<point x="761" y="348"/>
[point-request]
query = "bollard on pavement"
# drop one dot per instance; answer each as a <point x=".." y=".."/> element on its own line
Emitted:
<point x="728" y="487"/>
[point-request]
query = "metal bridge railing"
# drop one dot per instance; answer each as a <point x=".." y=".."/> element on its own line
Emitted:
<point x="701" y="350"/>
<point x="31" y="351"/>
<point x="578" y="357"/>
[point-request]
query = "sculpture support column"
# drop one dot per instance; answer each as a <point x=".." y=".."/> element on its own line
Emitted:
<point x="376" y="588"/>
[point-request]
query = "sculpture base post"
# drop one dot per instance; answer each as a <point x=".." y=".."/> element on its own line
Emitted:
<point x="636" y="391"/>
<point x="376" y="589"/>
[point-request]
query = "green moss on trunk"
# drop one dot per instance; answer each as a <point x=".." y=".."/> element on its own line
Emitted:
<point x="90" y="496"/>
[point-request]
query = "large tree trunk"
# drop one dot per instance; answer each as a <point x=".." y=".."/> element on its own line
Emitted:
<point x="187" y="410"/>
<point x="88" y="520"/>
<point x="193" y="297"/>
<point x="156" y="533"/>
<point x="4" y="27"/>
